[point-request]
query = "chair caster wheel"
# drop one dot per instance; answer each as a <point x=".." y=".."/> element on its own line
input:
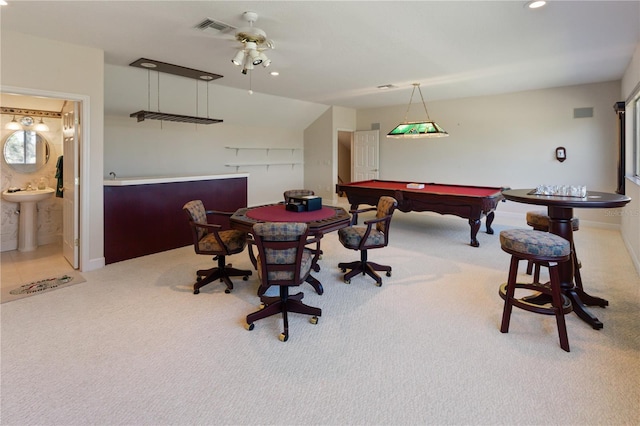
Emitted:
<point x="249" y="326"/>
<point x="313" y="320"/>
<point x="388" y="273"/>
<point x="283" y="337"/>
<point x="227" y="291"/>
<point x="347" y="281"/>
<point x="262" y="306"/>
<point x="343" y="269"/>
<point x="245" y="278"/>
<point x="196" y="291"/>
<point x="199" y="278"/>
<point x="379" y="284"/>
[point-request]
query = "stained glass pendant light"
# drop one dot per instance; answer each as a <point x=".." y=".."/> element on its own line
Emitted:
<point x="417" y="129"/>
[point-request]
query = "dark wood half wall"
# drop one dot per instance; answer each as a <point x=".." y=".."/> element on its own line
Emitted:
<point x="145" y="219"/>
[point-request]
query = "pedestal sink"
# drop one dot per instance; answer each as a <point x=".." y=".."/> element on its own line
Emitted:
<point x="28" y="225"/>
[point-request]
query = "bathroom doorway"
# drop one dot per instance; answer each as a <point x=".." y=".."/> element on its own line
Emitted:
<point x="62" y="233"/>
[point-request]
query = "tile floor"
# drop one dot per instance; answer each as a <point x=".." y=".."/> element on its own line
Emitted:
<point x="18" y="268"/>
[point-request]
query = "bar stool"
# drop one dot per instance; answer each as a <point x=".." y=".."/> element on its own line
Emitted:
<point x="539" y="220"/>
<point x="546" y="249"/>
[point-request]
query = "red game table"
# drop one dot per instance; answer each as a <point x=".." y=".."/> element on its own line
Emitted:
<point x="326" y="219"/>
<point x="468" y="202"/>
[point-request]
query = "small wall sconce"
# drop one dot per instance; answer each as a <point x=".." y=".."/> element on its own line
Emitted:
<point x="13" y="125"/>
<point x="561" y="154"/>
<point x="41" y="127"/>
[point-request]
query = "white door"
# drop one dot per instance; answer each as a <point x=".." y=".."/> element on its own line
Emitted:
<point x="365" y="155"/>
<point x="70" y="181"/>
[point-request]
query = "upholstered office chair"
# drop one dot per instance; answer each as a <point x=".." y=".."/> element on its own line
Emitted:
<point x="283" y="261"/>
<point x="296" y="193"/>
<point x="210" y="239"/>
<point x="368" y="237"/>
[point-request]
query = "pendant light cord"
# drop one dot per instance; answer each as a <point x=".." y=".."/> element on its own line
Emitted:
<point x="411" y="100"/>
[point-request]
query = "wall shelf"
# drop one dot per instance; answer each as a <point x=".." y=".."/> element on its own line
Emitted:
<point x="261" y="148"/>
<point x="267" y="165"/>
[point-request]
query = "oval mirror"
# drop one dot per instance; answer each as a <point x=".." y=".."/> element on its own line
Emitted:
<point x="26" y="151"/>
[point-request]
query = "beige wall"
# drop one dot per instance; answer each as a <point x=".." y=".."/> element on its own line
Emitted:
<point x="321" y="150"/>
<point x="271" y="126"/>
<point x="509" y="140"/>
<point x="318" y="155"/>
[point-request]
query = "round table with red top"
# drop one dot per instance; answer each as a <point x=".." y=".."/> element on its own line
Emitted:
<point x="319" y="222"/>
<point x="326" y="219"/>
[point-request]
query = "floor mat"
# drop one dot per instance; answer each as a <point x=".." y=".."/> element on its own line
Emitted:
<point x="41" y="286"/>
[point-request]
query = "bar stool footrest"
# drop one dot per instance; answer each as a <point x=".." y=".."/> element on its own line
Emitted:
<point x="540" y="305"/>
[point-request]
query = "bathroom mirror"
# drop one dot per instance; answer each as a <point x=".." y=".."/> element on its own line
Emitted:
<point x="26" y="151"/>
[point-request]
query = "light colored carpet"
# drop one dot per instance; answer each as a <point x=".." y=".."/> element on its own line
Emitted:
<point x="134" y="346"/>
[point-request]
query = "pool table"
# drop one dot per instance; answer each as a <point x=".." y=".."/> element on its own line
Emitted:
<point x="468" y="202"/>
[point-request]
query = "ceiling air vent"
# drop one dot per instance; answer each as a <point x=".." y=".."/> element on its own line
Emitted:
<point x="210" y="24"/>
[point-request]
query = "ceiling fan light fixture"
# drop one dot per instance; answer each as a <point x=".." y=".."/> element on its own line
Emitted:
<point x="264" y="60"/>
<point x="239" y="58"/>
<point x="417" y="129"/>
<point x="254" y="41"/>
<point x="254" y="55"/>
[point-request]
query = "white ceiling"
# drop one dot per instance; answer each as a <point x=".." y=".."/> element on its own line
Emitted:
<point x="338" y="52"/>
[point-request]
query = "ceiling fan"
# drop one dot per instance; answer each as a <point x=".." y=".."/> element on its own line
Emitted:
<point x="254" y="43"/>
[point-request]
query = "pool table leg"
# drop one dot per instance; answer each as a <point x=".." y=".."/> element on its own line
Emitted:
<point x="489" y="221"/>
<point x="475" y="227"/>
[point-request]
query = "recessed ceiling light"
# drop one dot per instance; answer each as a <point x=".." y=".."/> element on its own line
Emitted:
<point x="274" y="73"/>
<point x="535" y="4"/>
<point x="148" y="64"/>
<point x="386" y="86"/>
<point x="206" y="77"/>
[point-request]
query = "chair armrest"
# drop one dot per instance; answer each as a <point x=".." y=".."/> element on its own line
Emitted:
<point x="208" y="226"/>
<point x="370" y="224"/>
<point x="367" y="209"/>
<point x="218" y="212"/>
<point x="376" y="220"/>
<point x="354" y="213"/>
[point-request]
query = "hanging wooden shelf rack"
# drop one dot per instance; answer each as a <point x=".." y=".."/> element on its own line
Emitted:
<point x="151" y="115"/>
<point x="153" y="65"/>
